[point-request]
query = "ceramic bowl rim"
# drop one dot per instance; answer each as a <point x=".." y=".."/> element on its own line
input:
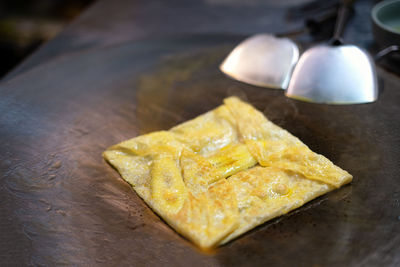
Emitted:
<point x="378" y="7"/>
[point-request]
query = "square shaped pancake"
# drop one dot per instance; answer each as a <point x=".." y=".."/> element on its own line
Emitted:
<point x="223" y="173"/>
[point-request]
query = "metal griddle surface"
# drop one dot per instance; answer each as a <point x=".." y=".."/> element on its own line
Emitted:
<point x="62" y="204"/>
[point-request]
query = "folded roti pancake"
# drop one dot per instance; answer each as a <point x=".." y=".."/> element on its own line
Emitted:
<point x="223" y="173"/>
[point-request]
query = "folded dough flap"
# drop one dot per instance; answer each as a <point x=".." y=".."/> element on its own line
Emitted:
<point x="207" y="133"/>
<point x="150" y="144"/>
<point x="150" y="163"/>
<point x="264" y="193"/>
<point x="253" y="125"/>
<point x="312" y="165"/>
<point x="168" y="191"/>
<point x="274" y="146"/>
<point x="209" y="217"/>
<point x="133" y="158"/>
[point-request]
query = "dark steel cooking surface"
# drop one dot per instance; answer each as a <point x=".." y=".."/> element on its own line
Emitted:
<point x="62" y="204"/>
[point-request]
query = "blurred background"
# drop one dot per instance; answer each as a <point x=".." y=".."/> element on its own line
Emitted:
<point x="25" y="25"/>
